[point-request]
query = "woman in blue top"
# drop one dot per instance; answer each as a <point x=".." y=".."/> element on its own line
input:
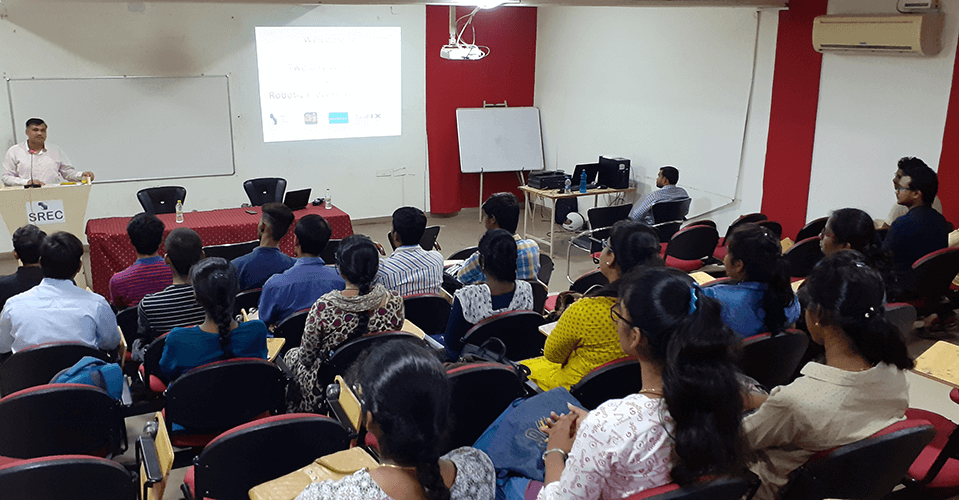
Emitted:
<point x="759" y="297"/>
<point x="220" y="336"/>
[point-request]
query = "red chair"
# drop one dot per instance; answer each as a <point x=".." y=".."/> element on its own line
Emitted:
<point x="247" y="300"/>
<point x="479" y="393"/>
<point x="773" y="227"/>
<point x="930" y="279"/>
<point x="902" y="315"/>
<point x="540" y="294"/>
<point x="669" y="216"/>
<point x="730" y="488"/>
<point x="589" y="280"/>
<point x="36" y="365"/>
<point x="67" y="477"/>
<point x="616" y="379"/>
<point x="936" y="470"/>
<point x="803" y="257"/>
<point x="812" y="229"/>
<point x="773" y="360"/>
<point x="720" y="252"/>
<point x="291" y="329"/>
<point x="343" y="356"/>
<point x="688" y="247"/>
<point x="428" y="311"/>
<point x="519" y="331"/>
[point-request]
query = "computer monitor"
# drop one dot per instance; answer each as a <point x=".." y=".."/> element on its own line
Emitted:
<point x="592" y="170"/>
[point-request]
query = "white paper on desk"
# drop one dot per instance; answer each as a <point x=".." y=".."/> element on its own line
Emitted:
<point x="548" y="328"/>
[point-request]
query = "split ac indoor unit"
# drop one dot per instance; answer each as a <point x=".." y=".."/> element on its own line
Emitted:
<point x="916" y="34"/>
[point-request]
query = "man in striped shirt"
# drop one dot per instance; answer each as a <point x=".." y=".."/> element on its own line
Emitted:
<point x="410" y="270"/>
<point x="175" y="305"/>
<point x="149" y="274"/>
<point x="668" y="191"/>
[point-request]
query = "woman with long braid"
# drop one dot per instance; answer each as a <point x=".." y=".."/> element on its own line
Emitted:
<point x="220" y="336"/>
<point x="340" y="316"/>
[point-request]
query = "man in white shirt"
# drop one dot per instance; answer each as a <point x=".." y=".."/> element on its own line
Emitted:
<point x="410" y="270"/>
<point x="36" y="163"/>
<point x="57" y="310"/>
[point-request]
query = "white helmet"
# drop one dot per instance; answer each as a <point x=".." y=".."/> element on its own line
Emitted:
<point x="574" y="222"/>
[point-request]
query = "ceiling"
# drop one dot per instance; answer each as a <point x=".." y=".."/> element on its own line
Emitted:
<point x="592" y="3"/>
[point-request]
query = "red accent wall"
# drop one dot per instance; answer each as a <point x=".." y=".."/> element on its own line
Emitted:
<point x="792" y="121"/>
<point x="949" y="160"/>
<point x="506" y="74"/>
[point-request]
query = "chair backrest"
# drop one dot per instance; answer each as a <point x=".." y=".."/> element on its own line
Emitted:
<point x="546" y="267"/>
<point x="671" y="211"/>
<point x="693" y="242"/>
<point x="601" y="219"/>
<point x="812" y="228"/>
<point x="329" y="251"/>
<point x="291" y="329"/>
<point x="867" y="469"/>
<point x="773" y="227"/>
<point x="428" y="311"/>
<point x="540" y="293"/>
<point x="161" y="200"/>
<point x="616" y="379"/>
<point x="772" y="360"/>
<point x="703" y="222"/>
<point x="263" y="450"/>
<point x="464" y="253"/>
<point x="345" y="354"/>
<point x="67" y="477"/>
<point x="36" y="365"/>
<point x="231" y="251"/>
<point x="60" y="419"/>
<point x="265" y="190"/>
<point x="803" y="257"/>
<point x="743" y="219"/>
<point x="223" y="394"/>
<point x="127" y="321"/>
<point x="519" y="331"/>
<point x="933" y="273"/>
<point x="666" y="230"/>
<point x="588" y="280"/>
<point x="902" y="315"/>
<point x="428" y="241"/>
<point x="247" y="299"/>
<point x="480" y="392"/>
<point x="727" y="488"/>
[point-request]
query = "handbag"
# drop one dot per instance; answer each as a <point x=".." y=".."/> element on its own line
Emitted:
<point x="333" y="466"/>
<point x="493" y="351"/>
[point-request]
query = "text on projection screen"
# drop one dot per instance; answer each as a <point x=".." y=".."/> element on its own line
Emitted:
<point x="329" y="82"/>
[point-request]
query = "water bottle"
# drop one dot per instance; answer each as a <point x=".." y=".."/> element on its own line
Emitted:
<point x="179" y="211"/>
<point x="568" y="184"/>
<point x="329" y="201"/>
<point x="582" y="182"/>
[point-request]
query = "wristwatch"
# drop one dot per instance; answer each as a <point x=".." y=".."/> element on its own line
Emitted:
<point x="557" y="450"/>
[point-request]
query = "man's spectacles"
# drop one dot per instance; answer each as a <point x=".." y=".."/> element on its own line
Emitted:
<point x="902" y="188"/>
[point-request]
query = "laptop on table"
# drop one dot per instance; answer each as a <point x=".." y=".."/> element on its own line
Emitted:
<point x="297" y="200"/>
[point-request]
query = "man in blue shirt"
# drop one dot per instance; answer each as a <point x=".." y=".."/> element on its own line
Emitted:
<point x="298" y="287"/>
<point x="922" y="230"/>
<point x="254" y="268"/>
<point x="668" y="191"/>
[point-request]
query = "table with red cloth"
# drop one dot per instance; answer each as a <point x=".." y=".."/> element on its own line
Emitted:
<point x="111" y="250"/>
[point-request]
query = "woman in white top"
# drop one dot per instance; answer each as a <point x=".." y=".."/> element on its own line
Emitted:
<point x="683" y="424"/>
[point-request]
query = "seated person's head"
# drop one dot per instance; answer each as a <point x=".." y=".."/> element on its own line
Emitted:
<point x="409" y="223"/>
<point x="848" y="228"/>
<point x="358" y="261"/>
<point x="631" y="244"/>
<point x="145" y="232"/>
<point x="26" y="244"/>
<point x="215" y="286"/>
<point x="497" y="250"/>
<point x="501" y="211"/>
<point x="918" y="184"/>
<point x="668" y="175"/>
<point x="666" y="321"/>
<point x="312" y="234"/>
<point x="183" y="249"/>
<point x="404" y="395"/>
<point x="276" y="220"/>
<point x="845" y="303"/>
<point x="60" y="255"/>
<point x="754" y="254"/>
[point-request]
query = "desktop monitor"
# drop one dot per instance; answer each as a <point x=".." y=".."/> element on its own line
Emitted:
<point x="592" y="170"/>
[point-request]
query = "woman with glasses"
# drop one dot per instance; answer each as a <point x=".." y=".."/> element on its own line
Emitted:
<point x="683" y="425"/>
<point x="340" y="316"/>
<point x="585" y="336"/>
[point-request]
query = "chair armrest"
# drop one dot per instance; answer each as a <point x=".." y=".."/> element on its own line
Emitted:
<point x="281" y="364"/>
<point x="532" y="388"/>
<point x="433" y="344"/>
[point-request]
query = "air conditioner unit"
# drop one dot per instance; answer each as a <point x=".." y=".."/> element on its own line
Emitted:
<point x="916" y="34"/>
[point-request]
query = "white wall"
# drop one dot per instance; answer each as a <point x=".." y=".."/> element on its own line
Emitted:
<point x="661" y="86"/>
<point x="89" y="39"/>
<point x="874" y="110"/>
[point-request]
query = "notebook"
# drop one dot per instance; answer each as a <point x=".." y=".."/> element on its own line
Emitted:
<point x="298" y="199"/>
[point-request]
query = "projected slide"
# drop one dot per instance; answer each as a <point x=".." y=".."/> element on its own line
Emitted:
<point x="328" y="82"/>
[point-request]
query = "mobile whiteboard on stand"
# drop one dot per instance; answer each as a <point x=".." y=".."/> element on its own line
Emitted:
<point x="499" y="139"/>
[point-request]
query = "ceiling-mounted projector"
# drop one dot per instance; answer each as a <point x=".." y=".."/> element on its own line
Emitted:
<point x="462" y="52"/>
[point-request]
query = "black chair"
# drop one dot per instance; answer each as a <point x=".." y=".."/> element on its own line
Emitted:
<point x="36" y="365"/>
<point x="428" y="311"/>
<point x="265" y="190"/>
<point x="479" y="393"/>
<point x="669" y="216"/>
<point x="929" y="281"/>
<point x="260" y="451"/>
<point x="464" y="253"/>
<point x="127" y="321"/>
<point x="345" y="354"/>
<point x="546" y="267"/>
<point x="161" y="200"/>
<point x="617" y="379"/>
<point x="772" y="360"/>
<point x="231" y="251"/>
<point x="291" y="329"/>
<point x="773" y="227"/>
<point x="812" y="228"/>
<point x="61" y="419"/>
<point x="247" y="299"/>
<point x="601" y="220"/>
<point x="867" y="469"/>
<point x="803" y="257"/>
<point x="902" y="315"/>
<point x="518" y="330"/>
<point x="688" y="248"/>
<point x="67" y="477"/>
<point x="703" y="222"/>
<point x="328" y="254"/>
<point x="589" y="280"/>
<point x="540" y="293"/>
<point x="428" y="241"/>
<point x="727" y="488"/>
<point x="753" y="218"/>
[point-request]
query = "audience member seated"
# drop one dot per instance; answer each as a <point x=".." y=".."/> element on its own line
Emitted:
<point x="254" y="268"/>
<point x="501" y="211"/>
<point x="309" y="279"/>
<point x="174" y="306"/>
<point x="502" y="292"/>
<point x="922" y="230"/>
<point x="859" y="390"/>
<point x="759" y="297"/>
<point x="149" y="274"/>
<point x="57" y="310"/>
<point x="585" y="336"/>
<point x="26" y="247"/>
<point x="668" y="191"/>
<point x="410" y="270"/>
<point x="219" y="336"/>
<point x="340" y="316"/>
<point x="853" y="229"/>
<point x="682" y="426"/>
<point x="405" y="398"/>
<point x="898" y="210"/>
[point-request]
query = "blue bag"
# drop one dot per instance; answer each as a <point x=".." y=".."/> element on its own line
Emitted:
<point x="96" y="372"/>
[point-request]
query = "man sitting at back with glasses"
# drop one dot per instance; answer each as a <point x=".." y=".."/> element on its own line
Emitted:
<point x="922" y="230"/>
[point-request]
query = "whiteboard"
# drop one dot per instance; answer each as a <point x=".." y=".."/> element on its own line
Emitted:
<point x="499" y="139"/>
<point x="132" y="128"/>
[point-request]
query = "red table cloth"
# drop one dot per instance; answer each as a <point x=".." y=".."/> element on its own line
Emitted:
<point x="111" y="250"/>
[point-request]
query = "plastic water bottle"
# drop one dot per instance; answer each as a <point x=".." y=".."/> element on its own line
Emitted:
<point x="329" y="201"/>
<point x="568" y="184"/>
<point x="582" y="182"/>
<point x="179" y="211"/>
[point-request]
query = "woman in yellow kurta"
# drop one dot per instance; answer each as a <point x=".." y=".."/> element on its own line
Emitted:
<point x="585" y="336"/>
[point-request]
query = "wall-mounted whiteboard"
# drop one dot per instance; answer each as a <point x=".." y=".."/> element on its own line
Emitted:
<point x="132" y="128"/>
<point x="499" y="139"/>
